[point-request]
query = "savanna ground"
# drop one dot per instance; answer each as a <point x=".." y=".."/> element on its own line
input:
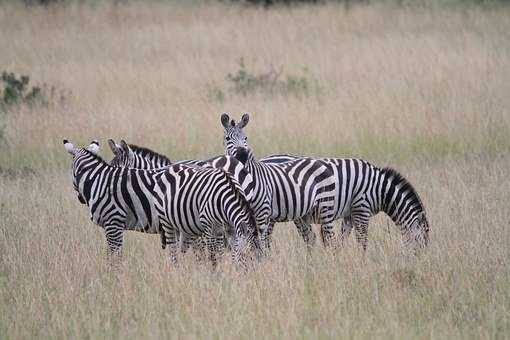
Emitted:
<point x="425" y="90"/>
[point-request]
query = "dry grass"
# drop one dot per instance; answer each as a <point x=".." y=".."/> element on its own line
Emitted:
<point x="423" y="90"/>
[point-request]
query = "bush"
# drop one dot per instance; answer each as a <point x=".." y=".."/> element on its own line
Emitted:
<point x="16" y="92"/>
<point x="244" y="82"/>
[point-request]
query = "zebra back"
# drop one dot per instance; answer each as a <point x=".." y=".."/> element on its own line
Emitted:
<point x="137" y="157"/>
<point x="142" y="158"/>
<point x="296" y="187"/>
<point x="382" y="189"/>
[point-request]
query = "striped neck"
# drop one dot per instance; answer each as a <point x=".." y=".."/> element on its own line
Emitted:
<point x="399" y="200"/>
<point x="86" y="168"/>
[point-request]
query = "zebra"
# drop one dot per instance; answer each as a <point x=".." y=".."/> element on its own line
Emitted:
<point x="361" y="191"/>
<point x="126" y="154"/>
<point x="299" y="190"/>
<point x="202" y="201"/>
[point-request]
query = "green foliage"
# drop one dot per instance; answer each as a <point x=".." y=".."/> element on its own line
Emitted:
<point x="245" y="82"/>
<point x="17" y="92"/>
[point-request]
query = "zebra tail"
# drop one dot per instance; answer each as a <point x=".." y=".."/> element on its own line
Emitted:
<point x="241" y="197"/>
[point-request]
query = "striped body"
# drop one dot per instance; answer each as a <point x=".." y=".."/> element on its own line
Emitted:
<point x="126" y="154"/>
<point x="299" y="190"/>
<point x="201" y="202"/>
<point x="131" y="199"/>
<point x="363" y="190"/>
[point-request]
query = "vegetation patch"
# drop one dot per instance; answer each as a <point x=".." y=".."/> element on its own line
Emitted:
<point x="272" y="82"/>
<point x="16" y="91"/>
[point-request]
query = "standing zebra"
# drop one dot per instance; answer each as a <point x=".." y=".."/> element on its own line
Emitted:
<point x="201" y="200"/>
<point x="299" y="190"/>
<point x="125" y="155"/>
<point x="361" y="191"/>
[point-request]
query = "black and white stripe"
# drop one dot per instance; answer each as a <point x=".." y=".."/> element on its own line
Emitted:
<point x="136" y="157"/>
<point x="126" y="154"/>
<point x="299" y="190"/>
<point x="202" y="200"/>
<point x="362" y="190"/>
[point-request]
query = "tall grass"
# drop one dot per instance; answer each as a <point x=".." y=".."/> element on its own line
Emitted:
<point x="423" y="90"/>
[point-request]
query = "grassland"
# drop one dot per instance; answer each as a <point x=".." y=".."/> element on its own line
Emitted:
<point x="423" y="90"/>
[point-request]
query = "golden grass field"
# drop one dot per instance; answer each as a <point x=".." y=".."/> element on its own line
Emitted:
<point x="425" y="90"/>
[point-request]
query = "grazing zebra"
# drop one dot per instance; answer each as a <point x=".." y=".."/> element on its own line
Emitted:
<point x="201" y="201"/>
<point x="361" y="191"/>
<point x="299" y="190"/>
<point x="126" y="154"/>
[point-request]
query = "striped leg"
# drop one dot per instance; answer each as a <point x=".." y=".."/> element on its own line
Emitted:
<point x="163" y="239"/>
<point x="305" y="230"/>
<point x="114" y="235"/>
<point x="327" y="234"/>
<point x="345" y="230"/>
<point x="198" y="246"/>
<point x="214" y="239"/>
<point x="265" y="236"/>
<point x="361" y="227"/>
<point x="172" y="240"/>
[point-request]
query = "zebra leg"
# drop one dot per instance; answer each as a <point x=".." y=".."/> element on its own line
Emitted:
<point x="199" y="249"/>
<point x="114" y="235"/>
<point x="305" y="230"/>
<point x="327" y="234"/>
<point x="186" y="242"/>
<point x="172" y="239"/>
<point x="345" y="230"/>
<point x="163" y="238"/>
<point x="212" y="248"/>
<point x="361" y="229"/>
<point x="265" y="236"/>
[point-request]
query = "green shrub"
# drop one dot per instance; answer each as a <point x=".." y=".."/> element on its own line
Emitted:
<point x="245" y="82"/>
<point x="16" y="92"/>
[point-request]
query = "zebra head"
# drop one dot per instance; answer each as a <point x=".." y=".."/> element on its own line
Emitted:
<point x="79" y="155"/>
<point x="415" y="234"/>
<point x="235" y="141"/>
<point x="123" y="155"/>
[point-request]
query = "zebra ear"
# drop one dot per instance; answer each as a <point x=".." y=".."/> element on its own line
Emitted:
<point x="114" y="147"/>
<point x="93" y="147"/>
<point x="69" y="147"/>
<point x="244" y="120"/>
<point x="124" y="146"/>
<point x="224" y="120"/>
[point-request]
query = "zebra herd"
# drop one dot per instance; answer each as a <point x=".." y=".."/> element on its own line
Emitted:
<point x="233" y="201"/>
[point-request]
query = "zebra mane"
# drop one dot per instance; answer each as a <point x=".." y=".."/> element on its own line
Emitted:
<point x="96" y="156"/>
<point x="146" y="152"/>
<point x="397" y="178"/>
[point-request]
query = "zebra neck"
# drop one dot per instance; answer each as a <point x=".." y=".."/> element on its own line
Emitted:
<point x="400" y="202"/>
<point x="251" y="164"/>
<point x="88" y="177"/>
